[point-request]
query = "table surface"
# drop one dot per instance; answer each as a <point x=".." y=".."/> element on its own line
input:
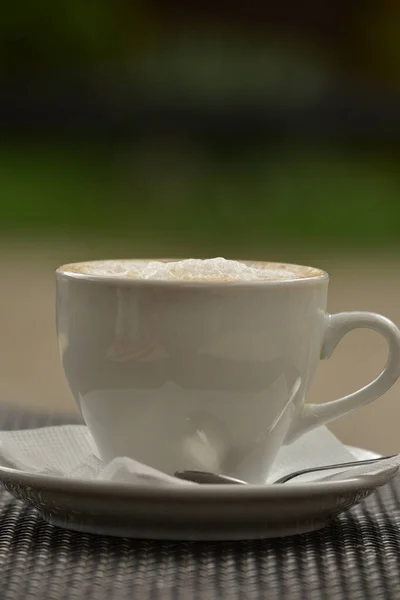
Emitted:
<point x="356" y="558"/>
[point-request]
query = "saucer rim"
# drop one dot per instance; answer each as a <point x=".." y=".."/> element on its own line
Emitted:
<point x="53" y="483"/>
<point x="190" y="513"/>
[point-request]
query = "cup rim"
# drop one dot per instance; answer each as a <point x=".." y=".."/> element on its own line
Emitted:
<point x="71" y="271"/>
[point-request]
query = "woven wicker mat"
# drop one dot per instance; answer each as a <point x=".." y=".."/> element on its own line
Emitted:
<point x="358" y="557"/>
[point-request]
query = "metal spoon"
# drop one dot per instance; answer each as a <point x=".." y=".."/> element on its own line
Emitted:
<point x="206" y="477"/>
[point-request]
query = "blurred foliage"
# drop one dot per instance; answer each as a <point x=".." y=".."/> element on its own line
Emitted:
<point x="226" y="69"/>
<point x="176" y="190"/>
<point x="185" y="193"/>
<point x="71" y="33"/>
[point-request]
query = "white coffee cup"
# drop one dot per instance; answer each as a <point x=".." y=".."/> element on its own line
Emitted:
<point x="209" y="375"/>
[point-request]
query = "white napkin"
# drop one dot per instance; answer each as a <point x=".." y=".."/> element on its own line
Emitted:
<point x="69" y="451"/>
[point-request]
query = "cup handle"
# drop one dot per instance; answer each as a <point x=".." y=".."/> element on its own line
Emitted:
<point x="313" y="415"/>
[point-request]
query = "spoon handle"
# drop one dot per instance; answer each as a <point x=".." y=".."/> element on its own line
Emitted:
<point x="211" y="478"/>
<point x="355" y="463"/>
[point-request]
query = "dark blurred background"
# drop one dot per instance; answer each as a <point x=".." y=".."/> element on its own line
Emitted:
<point x="248" y="130"/>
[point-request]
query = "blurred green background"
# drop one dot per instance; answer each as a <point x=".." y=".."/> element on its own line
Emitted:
<point x="181" y="195"/>
<point x="214" y="128"/>
<point x="217" y="122"/>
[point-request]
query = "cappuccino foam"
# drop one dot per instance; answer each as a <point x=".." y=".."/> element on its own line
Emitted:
<point x="194" y="269"/>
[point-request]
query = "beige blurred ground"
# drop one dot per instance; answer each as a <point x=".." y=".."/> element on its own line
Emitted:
<point x="31" y="374"/>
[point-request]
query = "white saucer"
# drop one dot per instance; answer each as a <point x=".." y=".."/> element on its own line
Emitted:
<point x="204" y="512"/>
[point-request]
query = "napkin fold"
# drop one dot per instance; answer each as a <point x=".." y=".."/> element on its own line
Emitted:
<point x="69" y="451"/>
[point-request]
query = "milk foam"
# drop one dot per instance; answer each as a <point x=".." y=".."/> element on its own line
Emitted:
<point x="192" y="269"/>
